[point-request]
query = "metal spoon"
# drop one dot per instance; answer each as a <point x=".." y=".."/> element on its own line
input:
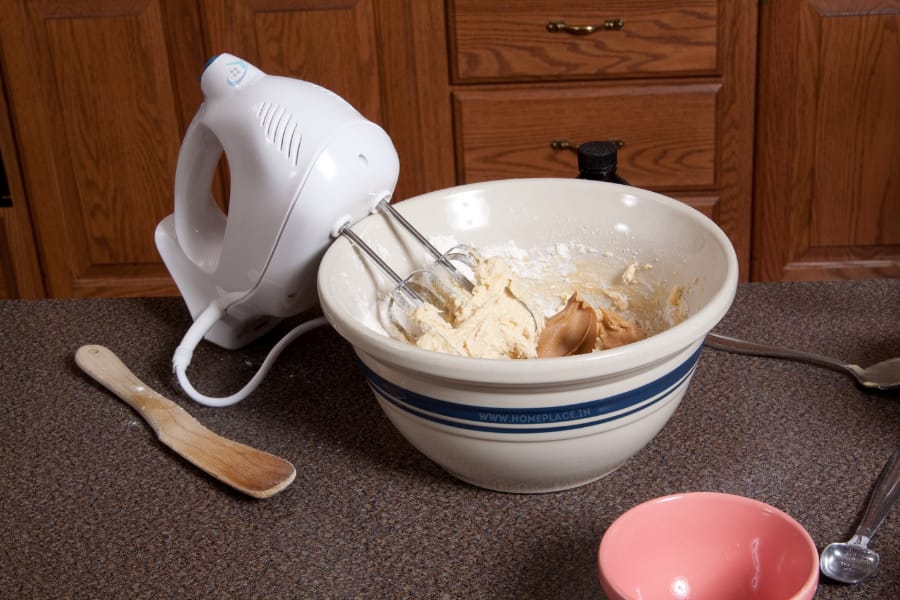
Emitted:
<point x="852" y="561"/>
<point x="882" y="376"/>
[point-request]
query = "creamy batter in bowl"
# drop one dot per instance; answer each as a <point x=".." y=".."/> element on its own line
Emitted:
<point x="536" y="425"/>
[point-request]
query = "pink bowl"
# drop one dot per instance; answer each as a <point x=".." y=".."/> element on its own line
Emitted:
<point x="707" y="545"/>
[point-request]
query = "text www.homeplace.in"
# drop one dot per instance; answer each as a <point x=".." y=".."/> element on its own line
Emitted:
<point x="548" y="417"/>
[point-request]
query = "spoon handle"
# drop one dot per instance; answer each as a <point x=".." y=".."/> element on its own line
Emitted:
<point x="730" y="344"/>
<point x="254" y="472"/>
<point x="882" y="499"/>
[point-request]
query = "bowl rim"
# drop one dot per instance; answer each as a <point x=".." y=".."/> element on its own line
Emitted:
<point x="491" y="371"/>
<point x="810" y="583"/>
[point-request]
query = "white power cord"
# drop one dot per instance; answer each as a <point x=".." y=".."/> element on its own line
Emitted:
<point x="202" y="324"/>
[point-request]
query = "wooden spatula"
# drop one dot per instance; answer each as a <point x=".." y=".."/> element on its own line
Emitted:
<point x="246" y="469"/>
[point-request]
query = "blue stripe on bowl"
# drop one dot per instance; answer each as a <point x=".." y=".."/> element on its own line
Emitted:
<point x="533" y="420"/>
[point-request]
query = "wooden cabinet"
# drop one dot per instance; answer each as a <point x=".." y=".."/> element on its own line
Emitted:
<point x="102" y="92"/>
<point x="535" y="40"/>
<point x="667" y="131"/>
<point x="97" y="109"/>
<point x="99" y="94"/>
<point x="20" y="271"/>
<point x="671" y="82"/>
<point x="332" y="43"/>
<point x="828" y="149"/>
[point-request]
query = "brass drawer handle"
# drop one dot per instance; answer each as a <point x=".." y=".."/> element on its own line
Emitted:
<point x="607" y="25"/>
<point x="564" y="144"/>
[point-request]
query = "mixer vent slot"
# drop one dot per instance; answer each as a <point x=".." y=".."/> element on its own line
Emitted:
<point x="281" y="130"/>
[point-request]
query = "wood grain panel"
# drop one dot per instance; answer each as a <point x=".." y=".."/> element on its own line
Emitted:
<point x="96" y="191"/>
<point x="709" y="205"/>
<point x="115" y="134"/>
<point x="736" y="125"/>
<point x="669" y="131"/>
<point x="417" y="93"/>
<point x="20" y="270"/>
<point x="509" y="39"/>
<point x="854" y="157"/>
<point x="828" y="153"/>
<point x="328" y="42"/>
<point x="699" y="151"/>
<point x="94" y="90"/>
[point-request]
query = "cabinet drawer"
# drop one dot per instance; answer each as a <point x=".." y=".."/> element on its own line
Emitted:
<point x="669" y="131"/>
<point x="511" y="39"/>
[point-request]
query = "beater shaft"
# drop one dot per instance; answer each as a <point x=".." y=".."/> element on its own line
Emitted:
<point x="439" y="256"/>
<point x="359" y="243"/>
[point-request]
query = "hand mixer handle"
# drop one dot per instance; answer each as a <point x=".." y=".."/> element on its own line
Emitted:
<point x="199" y="222"/>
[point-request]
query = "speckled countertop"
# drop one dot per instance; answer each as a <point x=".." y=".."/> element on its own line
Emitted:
<point x="92" y="505"/>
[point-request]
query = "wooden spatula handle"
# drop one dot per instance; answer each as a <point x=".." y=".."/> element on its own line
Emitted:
<point x="107" y="369"/>
<point x="247" y="469"/>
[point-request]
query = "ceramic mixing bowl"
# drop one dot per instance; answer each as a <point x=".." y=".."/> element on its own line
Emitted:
<point x="535" y="425"/>
<point x="707" y="545"/>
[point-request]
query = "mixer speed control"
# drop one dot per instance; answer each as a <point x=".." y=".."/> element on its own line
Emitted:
<point x="227" y="72"/>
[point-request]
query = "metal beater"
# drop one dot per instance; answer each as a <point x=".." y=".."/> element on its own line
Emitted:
<point x="438" y="285"/>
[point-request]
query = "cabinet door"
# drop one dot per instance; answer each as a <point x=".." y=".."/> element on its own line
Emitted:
<point x="98" y="122"/>
<point x="827" y="202"/>
<point x="102" y="92"/>
<point x="20" y="273"/>
<point x="328" y="42"/>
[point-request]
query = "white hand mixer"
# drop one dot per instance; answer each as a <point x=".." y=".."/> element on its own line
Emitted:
<point x="304" y="166"/>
